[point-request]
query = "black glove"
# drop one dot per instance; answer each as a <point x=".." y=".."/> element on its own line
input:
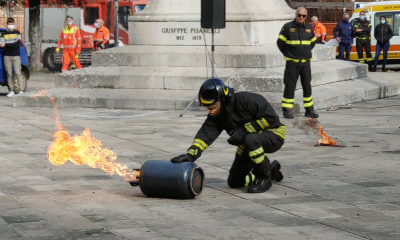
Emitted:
<point x="237" y="138"/>
<point x="183" y="158"/>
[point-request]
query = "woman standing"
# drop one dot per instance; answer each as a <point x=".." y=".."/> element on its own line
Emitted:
<point x="383" y="33"/>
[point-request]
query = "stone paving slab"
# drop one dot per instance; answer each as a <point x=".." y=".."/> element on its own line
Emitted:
<point x="328" y="192"/>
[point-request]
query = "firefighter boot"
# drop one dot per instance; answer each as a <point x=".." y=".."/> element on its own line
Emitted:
<point x="263" y="180"/>
<point x="287" y="113"/>
<point x="261" y="184"/>
<point x="275" y="171"/>
<point x="310" y="113"/>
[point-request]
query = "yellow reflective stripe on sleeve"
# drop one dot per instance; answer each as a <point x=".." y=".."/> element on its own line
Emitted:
<point x="240" y="149"/>
<point x="283" y="38"/>
<point x="200" y="143"/>
<point x="249" y="128"/>
<point x="256" y="152"/>
<point x="263" y="123"/>
<point x="313" y="39"/>
<point x="369" y="25"/>
<point x="306" y="99"/>
<point x="192" y="152"/>
<point x="309" y="104"/>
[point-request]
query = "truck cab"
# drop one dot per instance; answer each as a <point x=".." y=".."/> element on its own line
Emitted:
<point x="84" y="13"/>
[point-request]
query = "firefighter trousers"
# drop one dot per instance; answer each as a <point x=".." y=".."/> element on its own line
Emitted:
<point x="292" y="72"/>
<point x="364" y="44"/>
<point x="70" y="53"/>
<point x="251" y="160"/>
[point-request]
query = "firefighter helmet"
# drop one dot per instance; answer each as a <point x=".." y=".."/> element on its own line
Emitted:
<point x="214" y="90"/>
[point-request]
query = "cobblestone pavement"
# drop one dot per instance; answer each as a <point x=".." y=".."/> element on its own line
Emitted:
<point x="342" y="192"/>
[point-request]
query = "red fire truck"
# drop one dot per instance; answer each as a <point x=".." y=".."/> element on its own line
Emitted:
<point x="85" y="13"/>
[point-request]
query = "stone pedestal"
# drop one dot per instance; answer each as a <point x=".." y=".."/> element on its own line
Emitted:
<point x="177" y="22"/>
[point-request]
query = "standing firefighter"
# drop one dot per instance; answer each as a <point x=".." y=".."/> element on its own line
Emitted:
<point x="253" y="126"/>
<point x="71" y="39"/>
<point x="362" y="31"/>
<point x="101" y="37"/>
<point x="296" y="40"/>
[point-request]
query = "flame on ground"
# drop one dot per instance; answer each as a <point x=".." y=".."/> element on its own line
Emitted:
<point x="326" y="140"/>
<point x="83" y="150"/>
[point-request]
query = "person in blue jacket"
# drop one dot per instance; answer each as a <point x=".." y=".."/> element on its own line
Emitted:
<point x="343" y="33"/>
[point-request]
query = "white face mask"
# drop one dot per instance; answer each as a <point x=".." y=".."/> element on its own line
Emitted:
<point x="96" y="25"/>
<point x="11" y="27"/>
<point x="69" y="23"/>
<point x="383" y="21"/>
<point x="362" y="17"/>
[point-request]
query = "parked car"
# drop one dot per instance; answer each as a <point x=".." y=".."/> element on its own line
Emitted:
<point x="25" y="67"/>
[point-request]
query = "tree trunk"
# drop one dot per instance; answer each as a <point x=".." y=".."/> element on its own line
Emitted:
<point x="35" y="35"/>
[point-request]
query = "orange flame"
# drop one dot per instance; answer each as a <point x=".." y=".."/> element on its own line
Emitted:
<point x="326" y="140"/>
<point x="83" y="150"/>
<point x="42" y="92"/>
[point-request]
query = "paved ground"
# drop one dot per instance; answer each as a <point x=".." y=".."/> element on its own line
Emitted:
<point x="328" y="192"/>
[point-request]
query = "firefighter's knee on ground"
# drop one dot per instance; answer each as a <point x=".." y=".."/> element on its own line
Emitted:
<point x="234" y="182"/>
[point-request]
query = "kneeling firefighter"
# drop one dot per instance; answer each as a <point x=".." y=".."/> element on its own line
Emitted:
<point x="253" y="126"/>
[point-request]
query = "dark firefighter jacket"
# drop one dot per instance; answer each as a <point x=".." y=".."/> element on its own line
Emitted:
<point x="246" y="110"/>
<point x="296" y="41"/>
<point x="366" y="29"/>
<point x="383" y="33"/>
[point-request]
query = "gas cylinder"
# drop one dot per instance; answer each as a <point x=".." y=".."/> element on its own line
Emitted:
<point x="164" y="179"/>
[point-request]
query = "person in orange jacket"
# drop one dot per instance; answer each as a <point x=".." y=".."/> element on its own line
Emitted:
<point x="101" y="37"/>
<point x="319" y="30"/>
<point x="71" y="39"/>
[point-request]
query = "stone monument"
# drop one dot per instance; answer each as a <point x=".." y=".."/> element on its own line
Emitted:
<point x="167" y="61"/>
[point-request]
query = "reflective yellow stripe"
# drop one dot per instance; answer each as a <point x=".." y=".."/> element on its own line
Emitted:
<point x="283" y="38"/>
<point x="306" y="42"/>
<point x="279" y="134"/>
<point x="297" y="60"/>
<point x="369" y="25"/>
<point x="288" y="105"/>
<point x="361" y="61"/>
<point x="240" y="149"/>
<point x="205" y="101"/>
<point x="279" y="131"/>
<point x="200" y="143"/>
<point x="248" y="180"/>
<point x="310" y="104"/>
<point x="192" y="152"/>
<point x="306" y="99"/>
<point x="249" y="128"/>
<point x="259" y="159"/>
<point x="313" y="39"/>
<point x="263" y="123"/>
<point x="362" y="38"/>
<point x="293" y="42"/>
<point x="288" y="100"/>
<point x="256" y="152"/>
<point x="370" y="59"/>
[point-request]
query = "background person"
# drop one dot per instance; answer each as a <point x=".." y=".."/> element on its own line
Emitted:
<point x="71" y="39"/>
<point x="343" y="32"/>
<point x="296" y="41"/>
<point x="383" y="34"/>
<point x="319" y="30"/>
<point x="101" y="37"/>
<point x="10" y="42"/>
<point x="362" y="32"/>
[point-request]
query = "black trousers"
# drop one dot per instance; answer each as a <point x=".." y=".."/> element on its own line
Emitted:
<point x="364" y="44"/>
<point x="245" y="164"/>
<point x="292" y="72"/>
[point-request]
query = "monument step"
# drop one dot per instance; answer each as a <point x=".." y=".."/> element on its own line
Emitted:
<point x="328" y="95"/>
<point x="198" y="56"/>
<point x="189" y="78"/>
